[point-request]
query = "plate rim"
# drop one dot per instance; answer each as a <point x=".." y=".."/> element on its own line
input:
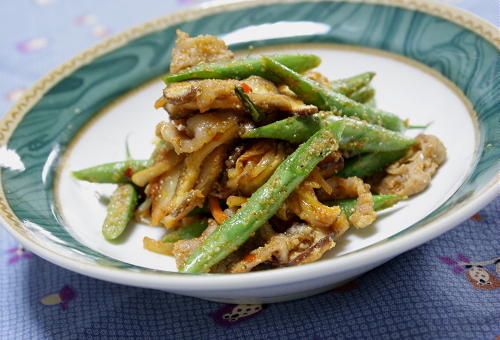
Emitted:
<point x="187" y="282"/>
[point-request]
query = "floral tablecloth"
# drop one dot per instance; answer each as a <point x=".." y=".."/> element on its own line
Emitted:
<point x="432" y="292"/>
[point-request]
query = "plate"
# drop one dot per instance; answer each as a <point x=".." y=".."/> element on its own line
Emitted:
<point x="434" y="64"/>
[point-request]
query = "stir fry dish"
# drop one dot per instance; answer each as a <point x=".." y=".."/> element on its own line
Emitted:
<point x="261" y="162"/>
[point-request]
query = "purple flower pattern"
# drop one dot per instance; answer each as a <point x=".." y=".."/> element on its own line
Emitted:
<point x="18" y="253"/>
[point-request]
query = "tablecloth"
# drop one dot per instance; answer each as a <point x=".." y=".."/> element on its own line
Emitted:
<point x="432" y="292"/>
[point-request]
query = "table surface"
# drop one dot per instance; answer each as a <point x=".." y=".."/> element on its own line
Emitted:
<point x="422" y="294"/>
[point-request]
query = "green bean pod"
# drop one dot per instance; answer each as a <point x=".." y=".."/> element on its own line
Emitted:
<point x="380" y="202"/>
<point x="264" y="202"/>
<point x="363" y="95"/>
<point x="369" y="163"/>
<point x="116" y="172"/>
<point x="313" y="93"/>
<point x="351" y="85"/>
<point x="242" y="68"/>
<point x="371" y="103"/>
<point x="119" y="211"/>
<point x="357" y="135"/>
<point x="190" y="231"/>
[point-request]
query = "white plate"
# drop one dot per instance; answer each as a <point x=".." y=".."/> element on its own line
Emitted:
<point x="52" y="120"/>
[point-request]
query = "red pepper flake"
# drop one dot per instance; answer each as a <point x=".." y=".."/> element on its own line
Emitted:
<point x="217" y="136"/>
<point x="246" y="88"/>
<point x="129" y="172"/>
<point x="477" y="217"/>
<point x="249" y="257"/>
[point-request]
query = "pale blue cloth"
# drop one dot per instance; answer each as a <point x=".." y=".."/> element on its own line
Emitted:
<point x="422" y="294"/>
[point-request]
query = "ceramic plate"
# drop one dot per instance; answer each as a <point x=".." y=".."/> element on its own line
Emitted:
<point x="434" y="64"/>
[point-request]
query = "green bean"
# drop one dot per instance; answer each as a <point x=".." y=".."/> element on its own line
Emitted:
<point x="116" y="172"/>
<point x="349" y="86"/>
<point x="119" y="212"/>
<point x="357" y="135"/>
<point x="190" y="231"/>
<point x="369" y="163"/>
<point x="363" y="95"/>
<point x="348" y="206"/>
<point x="264" y="202"/>
<point x="313" y="93"/>
<point x="372" y="103"/>
<point x="254" y="111"/>
<point x="243" y="67"/>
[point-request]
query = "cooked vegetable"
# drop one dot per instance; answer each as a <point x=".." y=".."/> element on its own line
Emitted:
<point x="254" y="111"/>
<point x="243" y="67"/>
<point x="189" y="183"/>
<point x="142" y="177"/>
<point x="357" y="135"/>
<point x="363" y="95"/>
<point x="254" y="166"/>
<point x="119" y="212"/>
<point x="188" y="232"/>
<point x="351" y="85"/>
<point x="157" y="246"/>
<point x="116" y="172"/>
<point x="266" y="201"/>
<point x="367" y="164"/>
<point x="313" y="93"/>
<point x="217" y="213"/>
<point x="380" y="202"/>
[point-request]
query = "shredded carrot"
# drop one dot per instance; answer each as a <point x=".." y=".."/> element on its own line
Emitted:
<point x="216" y="210"/>
<point x="246" y="88"/>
